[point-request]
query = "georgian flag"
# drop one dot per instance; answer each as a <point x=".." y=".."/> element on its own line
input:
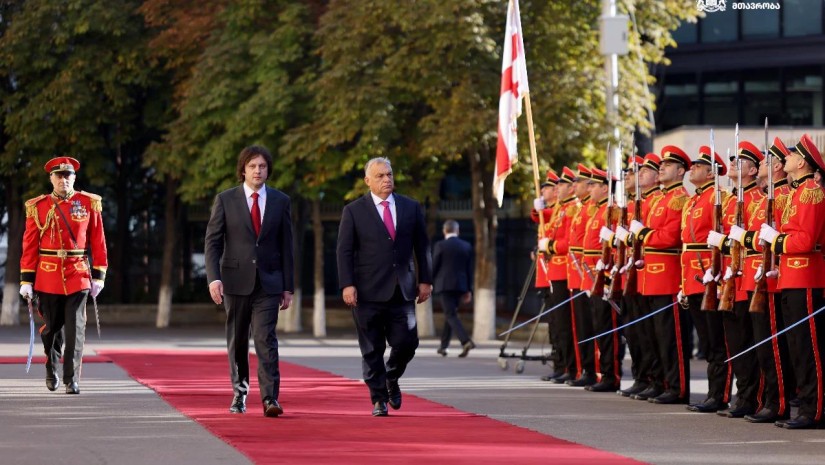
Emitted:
<point x="513" y="89"/>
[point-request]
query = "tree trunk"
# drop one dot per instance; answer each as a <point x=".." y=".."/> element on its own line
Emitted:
<point x="10" y="314"/>
<point x="291" y="318"/>
<point x="118" y="255"/>
<point x="319" y="311"/>
<point x="485" y="223"/>
<point x="167" y="274"/>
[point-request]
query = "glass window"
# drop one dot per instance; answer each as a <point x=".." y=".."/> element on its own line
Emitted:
<point x="686" y="33"/>
<point x="721" y="99"/>
<point x="803" y="96"/>
<point x="762" y="97"/>
<point x="801" y="17"/>
<point x="720" y="26"/>
<point x="679" y="104"/>
<point x="760" y="24"/>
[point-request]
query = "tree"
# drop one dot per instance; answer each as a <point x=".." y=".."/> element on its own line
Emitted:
<point x="83" y="94"/>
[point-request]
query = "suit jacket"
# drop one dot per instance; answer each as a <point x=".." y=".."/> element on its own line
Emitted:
<point x="234" y="254"/>
<point x="371" y="261"/>
<point x="453" y="265"/>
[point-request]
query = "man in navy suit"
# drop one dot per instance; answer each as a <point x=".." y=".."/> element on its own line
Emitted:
<point x="453" y="272"/>
<point x="249" y="267"/>
<point x="384" y="264"/>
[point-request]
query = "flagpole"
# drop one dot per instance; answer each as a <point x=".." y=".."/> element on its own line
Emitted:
<point x="534" y="159"/>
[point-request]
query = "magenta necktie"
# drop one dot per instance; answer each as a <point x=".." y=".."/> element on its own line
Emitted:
<point x="256" y="214"/>
<point x="388" y="219"/>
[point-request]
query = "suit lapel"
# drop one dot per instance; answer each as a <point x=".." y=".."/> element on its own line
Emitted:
<point x="372" y="212"/>
<point x="399" y="210"/>
<point x="269" y="211"/>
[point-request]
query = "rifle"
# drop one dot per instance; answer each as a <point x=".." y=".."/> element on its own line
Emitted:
<point x="632" y="279"/>
<point x="598" y="281"/>
<point x="760" y="294"/>
<point x="615" y="291"/>
<point x="710" y="300"/>
<point x="736" y="252"/>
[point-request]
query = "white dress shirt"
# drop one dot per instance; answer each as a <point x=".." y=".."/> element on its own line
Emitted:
<point x="261" y="199"/>
<point x="380" y="208"/>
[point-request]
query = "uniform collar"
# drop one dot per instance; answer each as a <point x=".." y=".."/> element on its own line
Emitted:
<point x="798" y="182"/>
<point x="572" y="198"/>
<point x="672" y="187"/>
<point x="650" y="191"/>
<point x="67" y="197"/>
<point x="704" y="188"/>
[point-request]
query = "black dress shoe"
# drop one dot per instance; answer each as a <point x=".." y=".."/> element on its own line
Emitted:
<point x="565" y="377"/>
<point x="51" y="384"/>
<point x="272" y="408"/>
<point x="710" y="405"/>
<point x="441" y="352"/>
<point x="584" y="380"/>
<point x="649" y="393"/>
<point x="554" y="375"/>
<point x="380" y="409"/>
<point x="465" y="349"/>
<point x="667" y="398"/>
<point x="394" y="392"/>
<point x="800" y="422"/>
<point x="72" y="388"/>
<point x="738" y="411"/>
<point x="632" y="390"/>
<point x="765" y="415"/>
<point x="238" y="404"/>
<point x="602" y="386"/>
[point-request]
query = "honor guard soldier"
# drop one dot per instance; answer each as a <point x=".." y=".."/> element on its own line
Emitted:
<point x="738" y="329"/>
<point x="556" y="247"/>
<point x="697" y="222"/>
<point x="604" y="317"/>
<point x="778" y="383"/>
<point x="797" y="241"/>
<point x="648" y="372"/>
<point x="583" y="319"/>
<point x="63" y="261"/>
<point x="546" y="204"/>
<point x="661" y="244"/>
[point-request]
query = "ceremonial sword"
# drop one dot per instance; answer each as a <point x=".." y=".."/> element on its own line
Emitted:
<point x="31" y="334"/>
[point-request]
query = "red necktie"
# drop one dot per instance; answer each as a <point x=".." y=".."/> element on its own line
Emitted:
<point x="388" y="219"/>
<point x="256" y="214"/>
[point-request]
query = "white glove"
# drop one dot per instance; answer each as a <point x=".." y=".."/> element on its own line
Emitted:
<point x="737" y="234"/>
<point x="538" y="204"/>
<point x="636" y="226"/>
<point x="772" y="274"/>
<point x="26" y="291"/>
<point x="758" y="273"/>
<point x="600" y="265"/>
<point x="622" y="234"/>
<point x="640" y="264"/>
<point x="767" y="233"/>
<point x="715" y="239"/>
<point x="544" y="244"/>
<point x="97" y="286"/>
<point x="606" y="234"/>
<point x="728" y="274"/>
<point x="624" y="268"/>
<point x="682" y="299"/>
<point x="708" y="277"/>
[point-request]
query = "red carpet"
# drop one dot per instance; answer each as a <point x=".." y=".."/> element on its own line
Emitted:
<point x="327" y="419"/>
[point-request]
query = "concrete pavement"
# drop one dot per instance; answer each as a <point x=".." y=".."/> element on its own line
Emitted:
<point x="116" y="420"/>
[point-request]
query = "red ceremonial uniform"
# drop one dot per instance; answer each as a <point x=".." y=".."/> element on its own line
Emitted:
<point x="697" y="221"/>
<point x="661" y="242"/>
<point x="591" y="242"/>
<point x="543" y="259"/>
<point x="576" y="272"/>
<point x="753" y="214"/>
<point x="781" y="194"/>
<point x="649" y="197"/>
<point x="559" y="236"/>
<point x="50" y="254"/>
<point x="801" y="265"/>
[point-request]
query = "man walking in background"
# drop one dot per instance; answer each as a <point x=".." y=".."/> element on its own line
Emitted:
<point x="453" y="273"/>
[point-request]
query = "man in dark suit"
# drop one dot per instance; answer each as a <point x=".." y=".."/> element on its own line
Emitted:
<point x="381" y="239"/>
<point x="249" y="268"/>
<point x="453" y="272"/>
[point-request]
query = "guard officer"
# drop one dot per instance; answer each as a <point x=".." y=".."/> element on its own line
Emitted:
<point x="64" y="260"/>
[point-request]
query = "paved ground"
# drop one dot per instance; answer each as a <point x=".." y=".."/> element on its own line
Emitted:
<point x="116" y="420"/>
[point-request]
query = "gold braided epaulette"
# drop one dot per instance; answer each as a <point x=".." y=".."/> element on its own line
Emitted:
<point x="812" y="195"/>
<point x="31" y="205"/>
<point x="96" y="200"/>
<point x="678" y="201"/>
